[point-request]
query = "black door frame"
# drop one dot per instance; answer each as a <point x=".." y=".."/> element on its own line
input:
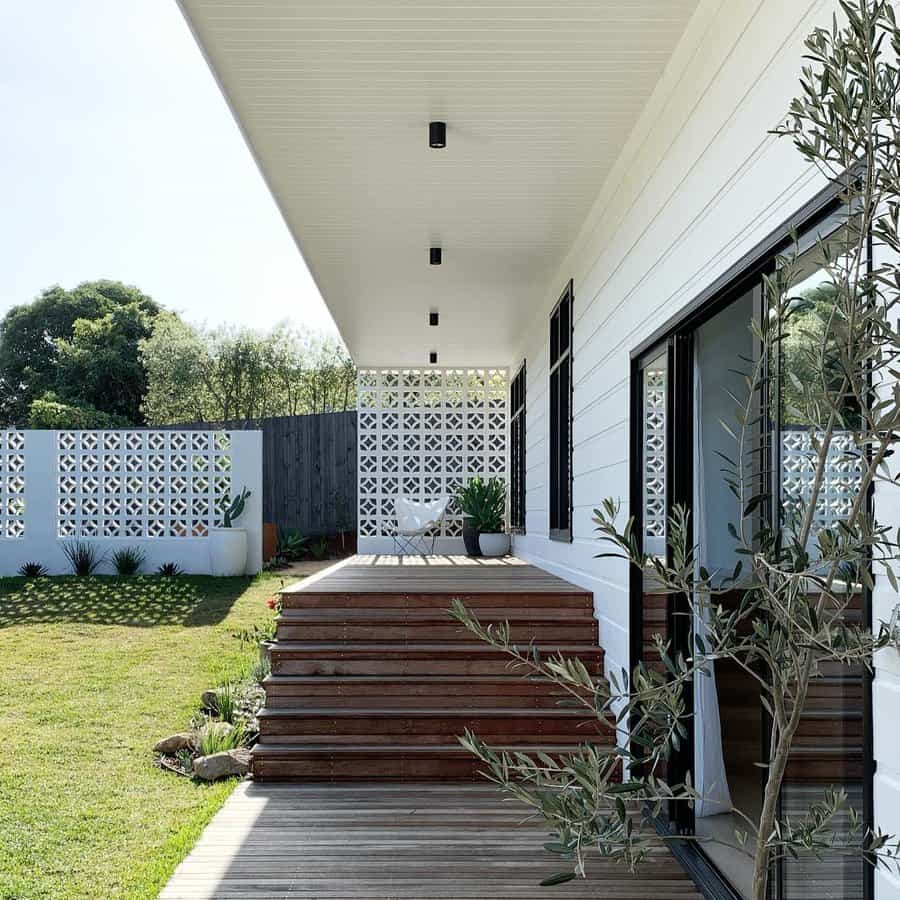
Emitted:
<point x="676" y="337"/>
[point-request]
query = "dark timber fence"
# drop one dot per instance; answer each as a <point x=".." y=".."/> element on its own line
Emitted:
<point x="309" y="469"/>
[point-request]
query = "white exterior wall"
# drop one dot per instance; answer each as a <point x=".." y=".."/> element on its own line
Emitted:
<point x="49" y="516"/>
<point x="699" y="183"/>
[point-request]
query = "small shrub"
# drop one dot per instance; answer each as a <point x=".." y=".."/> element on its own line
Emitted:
<point x="83" y="557"/>
<point x="213" y="738"/>
<point x="32" y="570"/>
<point x="128" y="560"/>
<point x="261" y="670"/>
<point x="169" y="570"/>
<point x="319" y="549"/>
<point x="185" y="761"/>
<point x="290" y="544"/>
<point x="226" y="702"/>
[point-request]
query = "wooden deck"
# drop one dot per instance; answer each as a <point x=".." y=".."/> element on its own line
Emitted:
<point x="384" y="574"/>
<point x="379" y="841"/>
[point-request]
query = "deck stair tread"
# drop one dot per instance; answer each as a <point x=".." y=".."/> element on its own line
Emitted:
<point x="512" y="613"/>
<point x="422" y="711"/>
<point x="284" y="647"/>
<point x="406" y="749"/>
<point x="426" y="679"/>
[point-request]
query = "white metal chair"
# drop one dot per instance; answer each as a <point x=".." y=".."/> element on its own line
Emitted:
<point x="414" y="520"/>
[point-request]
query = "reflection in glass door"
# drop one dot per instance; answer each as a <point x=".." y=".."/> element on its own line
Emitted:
<point x="682" y="394"/>
<point x="728" y="717"/>
<point x="829" y="747"/>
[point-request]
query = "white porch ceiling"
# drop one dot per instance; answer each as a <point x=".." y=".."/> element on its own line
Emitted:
<point x="335" y="96"/>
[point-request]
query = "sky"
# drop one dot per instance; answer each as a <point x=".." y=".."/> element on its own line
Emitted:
<point x="120" y="159"/>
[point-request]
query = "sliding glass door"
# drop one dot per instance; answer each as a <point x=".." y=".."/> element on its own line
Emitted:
<point x="683" y="397"/>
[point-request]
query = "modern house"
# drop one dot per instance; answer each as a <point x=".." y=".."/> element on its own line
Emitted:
<point x="541" y="228"/>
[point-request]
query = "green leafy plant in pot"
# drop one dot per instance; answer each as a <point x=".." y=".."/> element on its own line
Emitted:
<point x="483" y="504"/>
<point x="227" y="544"/>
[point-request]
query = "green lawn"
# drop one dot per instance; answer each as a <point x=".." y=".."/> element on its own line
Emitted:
<point x="92" y="672"/>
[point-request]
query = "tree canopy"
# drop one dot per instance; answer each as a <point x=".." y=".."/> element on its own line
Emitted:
<point x="76" y="347"/>
<point x="215" y="375"/>
<point x="106" y="355"/>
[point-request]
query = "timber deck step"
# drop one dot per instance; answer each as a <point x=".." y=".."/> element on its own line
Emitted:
<point x="372" y="677"/>
<point x="374" y="691"/>
<point x="392" y="762"/>
<point x="414" y="659"/>
<point x="576" y="600"/>
<point x="513" y="613"/>
<point x="428" y="625"/>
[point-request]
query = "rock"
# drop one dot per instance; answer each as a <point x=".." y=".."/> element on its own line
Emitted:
<point x="208" y="700"/>
<point x="184" y="740"/>
<point x="222" y="765"/>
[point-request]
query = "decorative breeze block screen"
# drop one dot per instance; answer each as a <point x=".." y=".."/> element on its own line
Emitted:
<point x="141" y="484"/>
<point x="12" y="484"/>
<point x="422" y="434"/>
<point x="843" y="475"/>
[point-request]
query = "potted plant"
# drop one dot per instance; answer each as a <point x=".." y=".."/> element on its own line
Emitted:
<point x="483" y="503"/>
<point x="227" y="544"/>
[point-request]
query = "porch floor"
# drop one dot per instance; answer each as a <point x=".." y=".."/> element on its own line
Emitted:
<point x="440" y="574"/>
<point x="379" y="840"/>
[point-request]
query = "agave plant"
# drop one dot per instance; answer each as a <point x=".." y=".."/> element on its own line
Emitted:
<point x="32" y="570"/>
<point x="169" y="570"/>
<point x="485" y="503"/>
<point x="291" y="543"/>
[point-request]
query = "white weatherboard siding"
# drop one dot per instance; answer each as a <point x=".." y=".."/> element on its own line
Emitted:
<point x="699" y="184"/>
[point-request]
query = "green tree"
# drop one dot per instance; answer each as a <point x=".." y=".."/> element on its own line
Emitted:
<point x="174" y="356"/>
<point x="100" y="365"/>
<point x="32" y="336"/>
<point x="227" y="373"/>
<point x="48" y="412"/>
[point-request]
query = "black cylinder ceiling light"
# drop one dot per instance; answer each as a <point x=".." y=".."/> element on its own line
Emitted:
<point x="437" y="140"/>
<point x="437" y="135"/>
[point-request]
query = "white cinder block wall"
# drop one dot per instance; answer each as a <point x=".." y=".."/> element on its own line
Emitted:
<point x="167" y="476"/>
<point x="698" y="184"/>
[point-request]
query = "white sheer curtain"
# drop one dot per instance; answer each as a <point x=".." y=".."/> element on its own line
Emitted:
<point x="710" y="778"/>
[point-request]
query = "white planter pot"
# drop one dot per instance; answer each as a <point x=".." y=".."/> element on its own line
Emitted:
<point x="227" y="551"/>
<point x="493" y="544"/>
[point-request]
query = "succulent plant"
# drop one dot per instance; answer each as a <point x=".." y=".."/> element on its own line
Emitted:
<point x="234" y="508"/>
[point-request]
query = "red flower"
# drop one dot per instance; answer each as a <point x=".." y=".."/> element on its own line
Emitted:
<point x="271" y="603"/>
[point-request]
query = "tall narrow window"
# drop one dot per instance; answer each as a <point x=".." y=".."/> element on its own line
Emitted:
<point x="561" y="418"/>
<point x="517" y="452"/>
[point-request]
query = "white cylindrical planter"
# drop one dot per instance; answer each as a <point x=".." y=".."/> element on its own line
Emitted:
<point x="227" y="551"/>
<point x="493" y="544"/>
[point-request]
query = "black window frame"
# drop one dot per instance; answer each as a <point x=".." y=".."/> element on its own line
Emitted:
<point x="517" y="428"/>
<point x="562" y="332"/>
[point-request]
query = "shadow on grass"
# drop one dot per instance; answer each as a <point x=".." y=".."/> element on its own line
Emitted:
<point x="142" y="601"/>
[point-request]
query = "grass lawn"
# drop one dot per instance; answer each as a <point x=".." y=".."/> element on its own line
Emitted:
<point x="93" y="672"/>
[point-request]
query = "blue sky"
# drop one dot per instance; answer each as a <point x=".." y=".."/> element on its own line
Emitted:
<point x="119" y="159"/>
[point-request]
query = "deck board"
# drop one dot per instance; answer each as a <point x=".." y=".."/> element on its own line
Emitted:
<point x="433" y="574"/>
<point x="380" y="841"/>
